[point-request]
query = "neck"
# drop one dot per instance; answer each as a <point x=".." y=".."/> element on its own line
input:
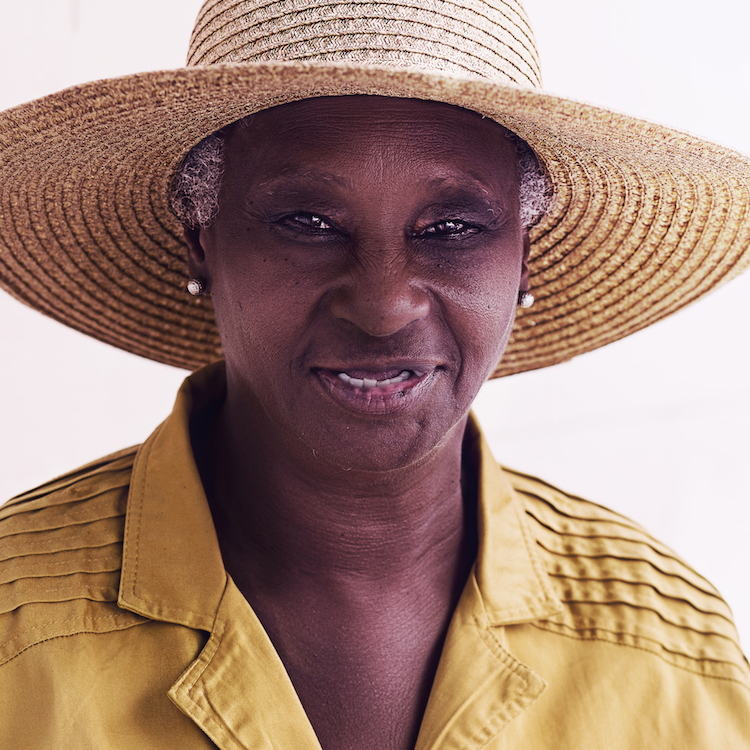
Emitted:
<point x="282" y="512"/>
<point x="354" y="575"/>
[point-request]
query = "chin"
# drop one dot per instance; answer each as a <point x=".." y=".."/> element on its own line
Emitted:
<point x="382" y="446"/>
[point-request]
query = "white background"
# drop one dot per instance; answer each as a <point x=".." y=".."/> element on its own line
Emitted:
<point x="655" y="426"/>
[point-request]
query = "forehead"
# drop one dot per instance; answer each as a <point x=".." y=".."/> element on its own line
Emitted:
<point x="372" y="132"/>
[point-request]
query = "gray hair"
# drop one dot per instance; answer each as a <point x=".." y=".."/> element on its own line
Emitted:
<point x="195" y="190"/>
<point x="535" y="191"/>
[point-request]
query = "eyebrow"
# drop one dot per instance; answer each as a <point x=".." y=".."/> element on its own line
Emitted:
<point x="464" y="193"/>
<point x="466" y="184"/>
<point x="309" y="175"/>
<point x="450" y="192"/>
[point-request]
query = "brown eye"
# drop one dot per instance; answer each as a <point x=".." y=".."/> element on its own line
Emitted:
<point x="449" y="228"/>
<point x="307" y="222"/>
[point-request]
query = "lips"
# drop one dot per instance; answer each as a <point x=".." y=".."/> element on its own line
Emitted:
<point x="377" y="390"/>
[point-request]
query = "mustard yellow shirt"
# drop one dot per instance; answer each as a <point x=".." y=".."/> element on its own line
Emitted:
<point x="120" y="629"/>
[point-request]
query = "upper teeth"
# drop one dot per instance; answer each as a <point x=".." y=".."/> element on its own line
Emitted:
<point x="370" y="383"/>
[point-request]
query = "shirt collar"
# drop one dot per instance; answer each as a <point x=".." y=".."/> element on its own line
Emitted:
<point x="172" y="567"/>
<point x="510" y="576"/>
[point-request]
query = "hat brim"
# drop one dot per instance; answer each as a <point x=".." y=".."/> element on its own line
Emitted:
<point x="645" y="220"/>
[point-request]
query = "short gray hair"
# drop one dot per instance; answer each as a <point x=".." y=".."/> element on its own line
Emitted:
<point x="195" y="190"/>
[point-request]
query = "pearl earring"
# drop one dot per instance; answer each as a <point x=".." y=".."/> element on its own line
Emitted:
<point x="196" y="287"/>
<point x="525" y="299"/>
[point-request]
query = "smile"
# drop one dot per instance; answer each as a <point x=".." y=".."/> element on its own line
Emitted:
<point x="402" y="377"/>
<point x="373" y="391"/>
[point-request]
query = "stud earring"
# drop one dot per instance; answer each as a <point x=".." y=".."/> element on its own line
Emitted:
<point x="196" y="287"/>
<point x="525" y="299"/>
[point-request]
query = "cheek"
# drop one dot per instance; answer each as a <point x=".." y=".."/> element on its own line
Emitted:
<point x="489" y="338"/>
<point x="483" y="300"/>
<point x="262" y="309"/>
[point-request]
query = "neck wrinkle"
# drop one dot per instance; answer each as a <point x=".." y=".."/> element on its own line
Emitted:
<point x="273" y="516"/>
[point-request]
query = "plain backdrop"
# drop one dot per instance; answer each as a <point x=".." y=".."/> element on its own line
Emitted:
<point x="655" y="426"/>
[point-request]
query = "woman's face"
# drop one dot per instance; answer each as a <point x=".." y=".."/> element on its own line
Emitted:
<point x="364" y="268"/>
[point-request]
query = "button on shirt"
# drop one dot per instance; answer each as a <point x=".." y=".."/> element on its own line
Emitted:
<point x="119" y="627"/>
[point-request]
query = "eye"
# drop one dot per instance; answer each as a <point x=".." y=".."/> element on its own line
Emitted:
<point x="448" y="229"/>
<point x="307" y="223"/>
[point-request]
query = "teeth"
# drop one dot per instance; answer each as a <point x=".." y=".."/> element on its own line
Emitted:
<point x="371" y="383"/>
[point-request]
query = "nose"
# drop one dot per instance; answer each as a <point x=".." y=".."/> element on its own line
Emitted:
<point x="380" y="298"/>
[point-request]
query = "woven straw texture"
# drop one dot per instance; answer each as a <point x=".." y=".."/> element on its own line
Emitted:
<point x="645" y="219"/>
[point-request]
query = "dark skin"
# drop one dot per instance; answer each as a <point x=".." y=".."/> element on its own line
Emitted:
<point x="378" y="239"/>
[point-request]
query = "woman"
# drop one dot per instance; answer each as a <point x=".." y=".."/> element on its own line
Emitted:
<point x="364" y="262"/>
<point x="570" y="430"/>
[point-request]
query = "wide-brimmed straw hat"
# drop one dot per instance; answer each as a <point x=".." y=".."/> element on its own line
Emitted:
<point x="645" y="219"/>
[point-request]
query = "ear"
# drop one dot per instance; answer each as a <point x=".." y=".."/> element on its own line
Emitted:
<point x="524" y="285"/>
<point x="196" y="255"/>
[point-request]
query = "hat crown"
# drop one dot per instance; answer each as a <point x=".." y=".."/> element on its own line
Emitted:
<point x="491" y="39"/>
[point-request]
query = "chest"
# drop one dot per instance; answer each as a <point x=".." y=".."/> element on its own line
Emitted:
<point x="363" y="708"/>
<point x="363" y="678"/>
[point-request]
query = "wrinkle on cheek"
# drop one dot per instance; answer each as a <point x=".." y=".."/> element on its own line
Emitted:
<point x="492" y="310"/>
<point x="474" y="297"/>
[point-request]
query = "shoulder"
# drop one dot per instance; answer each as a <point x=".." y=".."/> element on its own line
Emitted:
<point x="620" y="585"/>
<point x="60" y="556"/>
